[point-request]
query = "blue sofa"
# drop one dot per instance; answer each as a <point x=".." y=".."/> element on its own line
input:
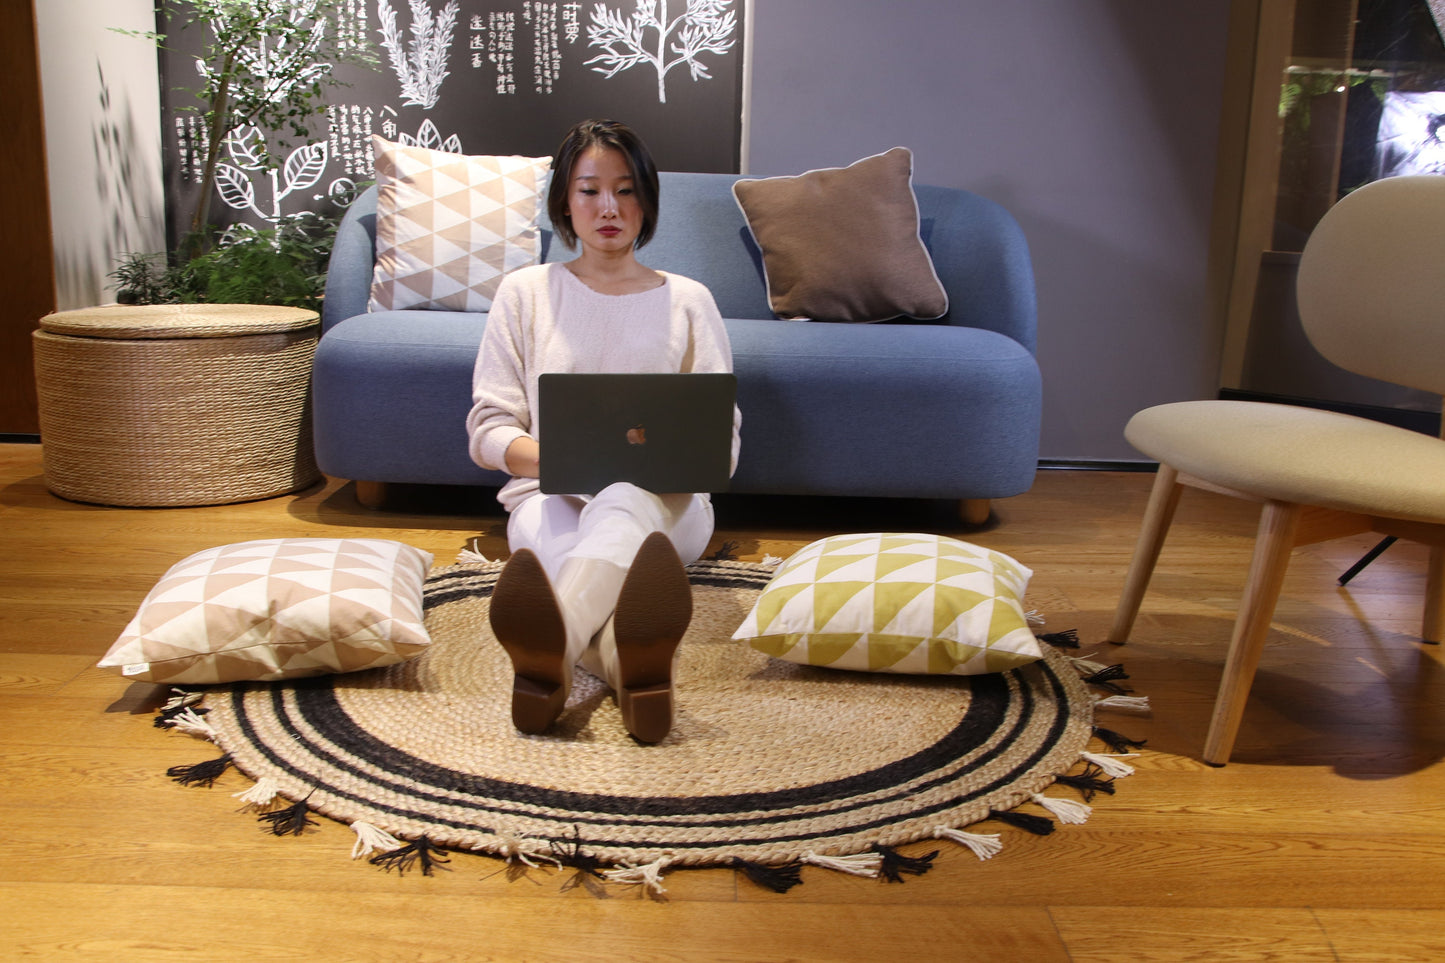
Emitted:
<point x="947" y="409"/>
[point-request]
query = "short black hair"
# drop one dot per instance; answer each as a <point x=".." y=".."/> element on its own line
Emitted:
<point x="612" y="135"/>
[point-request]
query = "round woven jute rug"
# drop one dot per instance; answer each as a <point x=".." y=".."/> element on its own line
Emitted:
<point x="768" y="762"/>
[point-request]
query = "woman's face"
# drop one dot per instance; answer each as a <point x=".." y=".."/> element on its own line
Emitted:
<point x="602" y="202"/>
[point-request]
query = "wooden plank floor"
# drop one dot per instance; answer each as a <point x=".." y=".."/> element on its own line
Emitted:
<point x="1324" y="839"/>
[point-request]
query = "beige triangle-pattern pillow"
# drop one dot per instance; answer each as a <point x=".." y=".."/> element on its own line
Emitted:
<point x="449" y="226"/>
<point x="896" y="602"/>
<point x="280" y="608"/>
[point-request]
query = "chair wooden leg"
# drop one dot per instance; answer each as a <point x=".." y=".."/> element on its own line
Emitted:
<point x="1433" y="629"/>
<point x="1273" y="545"/>
<point x="1157" y="516"/>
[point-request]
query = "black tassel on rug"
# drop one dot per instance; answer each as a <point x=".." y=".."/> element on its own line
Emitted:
<point x="1088" y="782"/>
<point x="202" y="773"/>
<point x="1106" y="678"/>
<point x="422" y="853"/>
<point x="779" y="879"/>
<point x="1038" y="825"/>
<point x="1068" y="639"/>
<point x="895" y="864"/>
<point x="1116" y="742"/>
<point x="290" y="821"/>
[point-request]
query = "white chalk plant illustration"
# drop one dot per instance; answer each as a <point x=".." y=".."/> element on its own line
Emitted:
<point x="303" y="168"/>
<point x="281" y="63"/>
<point x="428" y="136"/>
<point x="649" y="36"/>
<point x="420" y="64"/>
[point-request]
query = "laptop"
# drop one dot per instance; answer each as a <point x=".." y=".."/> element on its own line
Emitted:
<point x="666" y="433"/>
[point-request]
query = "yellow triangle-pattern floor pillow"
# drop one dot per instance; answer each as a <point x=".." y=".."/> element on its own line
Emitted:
<point x="895" y="602"/>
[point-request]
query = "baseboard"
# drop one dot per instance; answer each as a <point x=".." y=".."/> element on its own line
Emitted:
<point x="18" y="438"/>
<point x="1425" y="422"/>
<point x="1095" y="464"/>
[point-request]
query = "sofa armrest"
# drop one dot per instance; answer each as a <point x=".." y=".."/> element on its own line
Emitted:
<point x="353" y="256"/>
<point x="982" y="258"/>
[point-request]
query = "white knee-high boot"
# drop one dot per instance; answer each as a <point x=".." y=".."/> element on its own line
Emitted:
<point x="587" y="591"/>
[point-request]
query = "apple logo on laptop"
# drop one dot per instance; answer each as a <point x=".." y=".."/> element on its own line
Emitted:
<point x="637" y="435"/>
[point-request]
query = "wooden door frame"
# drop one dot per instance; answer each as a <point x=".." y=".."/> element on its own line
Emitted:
<point x="27" y="270"/>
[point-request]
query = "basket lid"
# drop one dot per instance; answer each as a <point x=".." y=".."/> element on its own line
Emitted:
<point x="134" y="322"/>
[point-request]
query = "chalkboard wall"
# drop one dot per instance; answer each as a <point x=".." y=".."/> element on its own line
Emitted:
<point x="504" y="77"/>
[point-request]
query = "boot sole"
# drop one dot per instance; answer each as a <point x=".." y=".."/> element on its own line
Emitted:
<point x="654" y="609"/>
<point x="528" y="624"/>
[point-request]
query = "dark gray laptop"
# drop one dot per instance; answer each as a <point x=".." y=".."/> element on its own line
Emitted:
<point x="662" y="432"/>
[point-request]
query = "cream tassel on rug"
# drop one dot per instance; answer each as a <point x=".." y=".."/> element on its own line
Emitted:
<point x="371" y="839"/>
<point x="1086" y="664"/>
<point x="1110" y="763"/>
<point x="859" y="864"/>
<point x="192" y="723"/>
<point x="983" y="845"/>
<point x="1129" y="703"/>
<point x="180" y="698"/>
<point x="648" y="874"/>
<point x="527" y="850"/>
<point x="1065" y="810"/>
<point x="259" y="796"/>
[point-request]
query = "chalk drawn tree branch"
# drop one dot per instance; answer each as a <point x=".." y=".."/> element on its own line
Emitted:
<point x="421" y="64"/>
<point x="704" y="27"/>
<point x="264" y="65"/>
<point x="266" y="69"/>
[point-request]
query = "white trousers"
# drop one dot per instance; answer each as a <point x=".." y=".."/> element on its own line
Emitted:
<point x="586" y="546"/>
<point x="609" y="526"/>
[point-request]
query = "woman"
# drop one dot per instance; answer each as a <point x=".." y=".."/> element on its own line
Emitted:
<point x="598" y="580"/>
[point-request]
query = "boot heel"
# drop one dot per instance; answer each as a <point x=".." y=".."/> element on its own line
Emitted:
<point x="647" y="713"/>
<point x="535" y="705"/>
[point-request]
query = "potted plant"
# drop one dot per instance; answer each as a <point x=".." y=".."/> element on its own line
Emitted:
<point x="262" y="77"/>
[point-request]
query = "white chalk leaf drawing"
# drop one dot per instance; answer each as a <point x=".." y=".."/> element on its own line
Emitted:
<point x="428" y="136"/>
<point x="420" y="64"/>
<point x="650" y="36"/>
<point x="235" y="187"/>
<point x="247" y="149"/>
<point x="302" y="169"/>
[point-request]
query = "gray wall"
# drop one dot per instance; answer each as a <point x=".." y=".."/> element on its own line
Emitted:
<point x="102" y="136"/>
<point x="1094" y="121"/>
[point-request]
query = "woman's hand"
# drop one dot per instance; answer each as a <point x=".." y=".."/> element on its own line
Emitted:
<point x="524" y="458"/>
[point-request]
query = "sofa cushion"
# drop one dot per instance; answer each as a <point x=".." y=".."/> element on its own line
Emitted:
<point x="843" y="244"/>
<point x="895" y="602"/>
<point x="448" y="226"/>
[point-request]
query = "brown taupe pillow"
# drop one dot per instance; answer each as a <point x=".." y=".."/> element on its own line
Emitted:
<point x="842" y="244"/>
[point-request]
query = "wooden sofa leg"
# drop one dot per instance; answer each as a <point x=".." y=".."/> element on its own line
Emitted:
<point x="371" y="495"/>
<point x="1273" y="546"/>
<point x="1157" y="517"/>
<point x="975" y="511"/>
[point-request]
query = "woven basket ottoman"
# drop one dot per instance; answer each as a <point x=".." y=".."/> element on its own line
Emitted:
<point x="176" y="404"/>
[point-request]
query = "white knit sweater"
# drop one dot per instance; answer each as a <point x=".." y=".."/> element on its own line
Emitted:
<point x="545" y="319"/>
